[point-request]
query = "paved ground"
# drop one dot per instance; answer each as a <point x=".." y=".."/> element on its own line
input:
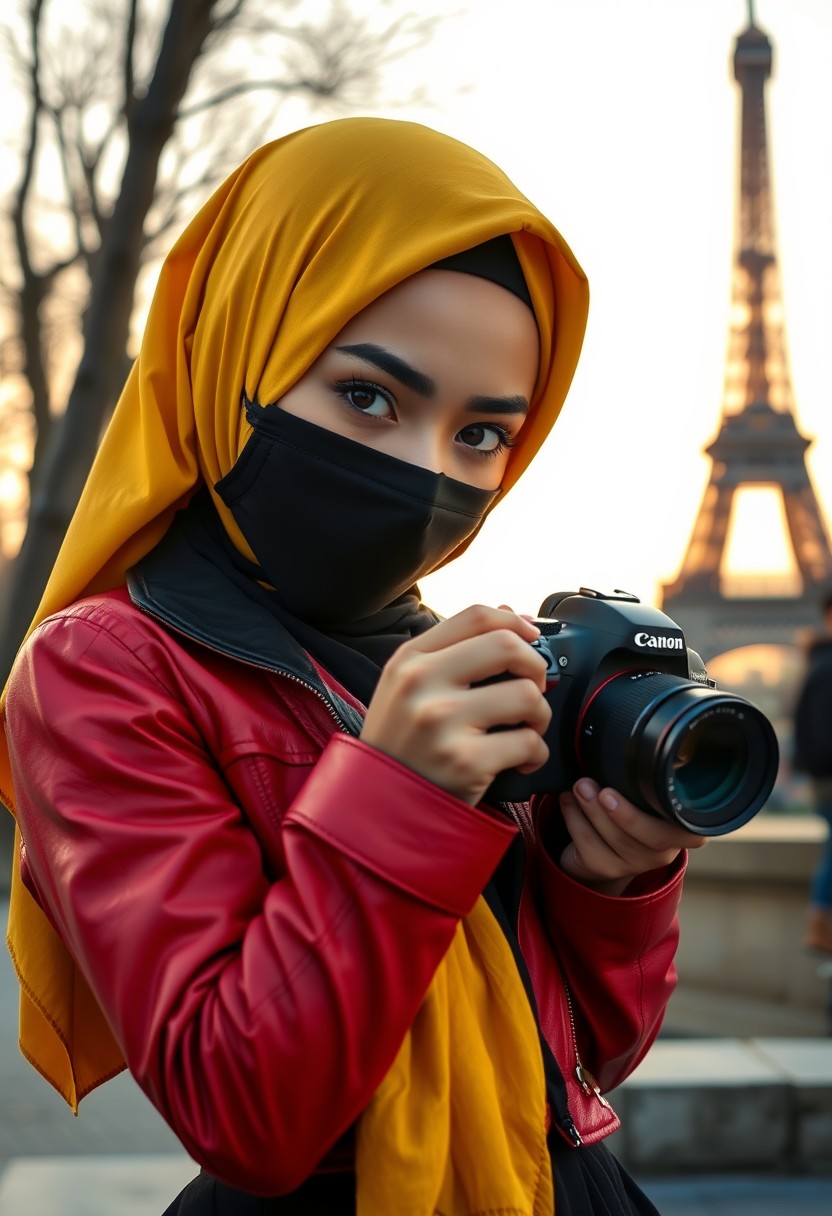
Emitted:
<point x="34" y="1121"/>
<point x="142" y="1186"/>
<point x="118" y="1158"/>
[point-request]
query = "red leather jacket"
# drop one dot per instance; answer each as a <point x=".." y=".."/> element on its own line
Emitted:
<point x="259" y="900"/>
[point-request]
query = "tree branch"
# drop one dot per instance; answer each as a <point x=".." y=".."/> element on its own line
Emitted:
<point x="249" y="86"/>
<point x="129" y="84"/>
<point x="77" y="203"/>
<point x="34" y="286"/>
<point x="30" y="155"/>
<point x="223" y="21"/>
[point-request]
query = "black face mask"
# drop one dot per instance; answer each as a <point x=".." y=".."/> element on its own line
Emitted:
<point x="340" y="529"/>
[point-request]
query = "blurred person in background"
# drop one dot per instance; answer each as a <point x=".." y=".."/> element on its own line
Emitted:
<point x="813" y="756"/>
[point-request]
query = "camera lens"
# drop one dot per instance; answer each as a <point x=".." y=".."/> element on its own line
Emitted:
<point x="703" y="758"/>
<point x="709" y="763"/>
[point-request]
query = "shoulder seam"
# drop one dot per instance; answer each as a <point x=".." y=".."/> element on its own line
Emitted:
<point x="100" y="628"/>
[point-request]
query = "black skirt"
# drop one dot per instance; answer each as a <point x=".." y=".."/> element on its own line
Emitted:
<point x="320" y="1195"/>
<point x="591" y="1182"/>
<point x="588" y="1182"/>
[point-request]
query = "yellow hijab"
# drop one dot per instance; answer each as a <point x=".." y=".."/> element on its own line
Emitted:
<point x="306" y="233"/>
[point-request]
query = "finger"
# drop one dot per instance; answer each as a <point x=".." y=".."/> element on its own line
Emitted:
<point x="526" y="616"/>
<point x="590" y="855"/>
<point x="521" y="749"/>
<point x="478" y="658"/>
<point x="619" y="853"/>
<point x="593" y="859"/>
<point x="508" y="703"/>
<point x="619" y="820"/>
<point x="651" y="830"/>
<point x="471" y="622"/>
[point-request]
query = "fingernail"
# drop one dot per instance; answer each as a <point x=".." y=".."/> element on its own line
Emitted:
<point x="587" y="789"/>
<point x="608" y="800"/>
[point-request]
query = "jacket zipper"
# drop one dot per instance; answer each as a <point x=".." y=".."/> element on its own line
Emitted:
<point x="585" y="1078"/>
<point x="276" y="671"/>
<point x="520" y="814"/>
<point x="290" y="675"/>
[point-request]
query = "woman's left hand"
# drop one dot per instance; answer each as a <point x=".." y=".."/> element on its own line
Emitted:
<point x="613" y="841"/>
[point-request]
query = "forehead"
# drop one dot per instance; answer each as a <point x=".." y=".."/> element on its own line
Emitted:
<point x="445" y="305"/>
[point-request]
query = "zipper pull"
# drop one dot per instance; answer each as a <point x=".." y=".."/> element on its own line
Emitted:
<point x="589" y="1085"/>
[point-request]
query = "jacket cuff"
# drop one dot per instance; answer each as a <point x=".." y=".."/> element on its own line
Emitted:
<point x="646" y="910"/>
<point x="399" y="825"/>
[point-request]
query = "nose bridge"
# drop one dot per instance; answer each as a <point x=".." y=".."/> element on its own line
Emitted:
<point x="425" y="443"/>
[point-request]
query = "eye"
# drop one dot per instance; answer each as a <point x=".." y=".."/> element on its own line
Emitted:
<point x="490" y="440"/>
<point x="366" y="397"/>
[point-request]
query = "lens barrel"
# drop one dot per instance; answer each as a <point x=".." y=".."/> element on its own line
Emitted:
<point x="702" y="758"/>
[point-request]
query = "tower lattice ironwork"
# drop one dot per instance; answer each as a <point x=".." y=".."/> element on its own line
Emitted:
<point x="758" y="443"/>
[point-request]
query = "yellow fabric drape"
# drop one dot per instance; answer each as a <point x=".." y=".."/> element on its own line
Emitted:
<point x="306" y="233"/>
<point x="457" y="1125"/>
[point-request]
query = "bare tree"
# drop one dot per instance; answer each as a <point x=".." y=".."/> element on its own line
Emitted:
<point x="132" y="113"/>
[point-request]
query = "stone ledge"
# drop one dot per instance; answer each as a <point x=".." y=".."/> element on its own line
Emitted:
<point x="760" y="1104"/>
<point x="94" y="1186"/>
<point x="747" y="855"/>
<point x="696" y="1011"/>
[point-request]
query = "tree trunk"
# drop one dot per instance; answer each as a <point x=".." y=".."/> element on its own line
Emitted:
<point x="32" y="295"/>
<point x="75" y="438"/>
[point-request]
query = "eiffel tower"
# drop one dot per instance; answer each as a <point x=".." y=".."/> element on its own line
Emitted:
<point x="758" y="443"/>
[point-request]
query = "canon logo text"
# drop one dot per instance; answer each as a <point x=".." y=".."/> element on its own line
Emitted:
<point x="656" y="642"/>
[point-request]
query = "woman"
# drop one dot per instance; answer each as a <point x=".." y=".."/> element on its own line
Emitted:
<point x="346" y="983"/>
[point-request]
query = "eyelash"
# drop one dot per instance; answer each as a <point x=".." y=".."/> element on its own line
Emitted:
<point x="345" y="387"/>
<point x="507" y="440"/>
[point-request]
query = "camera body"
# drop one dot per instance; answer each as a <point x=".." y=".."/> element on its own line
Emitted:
<point x="633" y="707"/>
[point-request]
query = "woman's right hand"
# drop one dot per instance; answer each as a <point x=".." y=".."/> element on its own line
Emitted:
<point x="426" y="714"/>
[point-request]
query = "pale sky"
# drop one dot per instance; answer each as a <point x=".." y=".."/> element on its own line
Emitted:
<point x="619" y="119"/>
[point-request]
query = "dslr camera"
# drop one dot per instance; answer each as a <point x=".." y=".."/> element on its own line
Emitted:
<point x="633" y="708"/>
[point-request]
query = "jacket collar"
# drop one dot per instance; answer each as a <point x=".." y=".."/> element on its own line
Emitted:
<point x="193" y="596"/>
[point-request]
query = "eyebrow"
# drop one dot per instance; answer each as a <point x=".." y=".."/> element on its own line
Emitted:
<point x="409" y="376"/>
<point x="386" y="361"/>
<point x="498" y="405"/>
